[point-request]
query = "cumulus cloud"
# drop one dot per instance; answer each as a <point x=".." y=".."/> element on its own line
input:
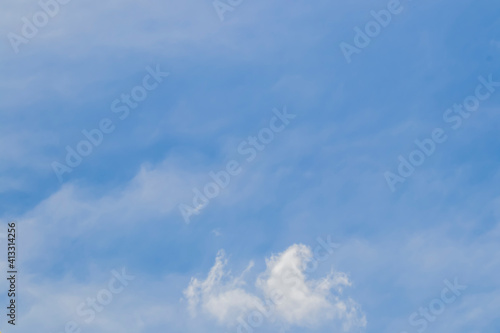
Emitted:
<point x="283" y="294"/>
<point x="302" y="301"/>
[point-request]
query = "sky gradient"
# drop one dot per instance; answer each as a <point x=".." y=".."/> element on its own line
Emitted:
<point x="205" y="161"/>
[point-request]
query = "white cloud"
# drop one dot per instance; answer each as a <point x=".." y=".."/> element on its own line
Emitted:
<point x="291" y="297"/>
<point x="305" y="302"/>
<point x="220" y="295"/>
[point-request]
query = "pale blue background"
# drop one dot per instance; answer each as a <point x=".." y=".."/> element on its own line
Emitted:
<point x="322" y="176"/>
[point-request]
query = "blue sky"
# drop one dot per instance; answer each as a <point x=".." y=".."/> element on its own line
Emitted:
<point x="321" y="177"/>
